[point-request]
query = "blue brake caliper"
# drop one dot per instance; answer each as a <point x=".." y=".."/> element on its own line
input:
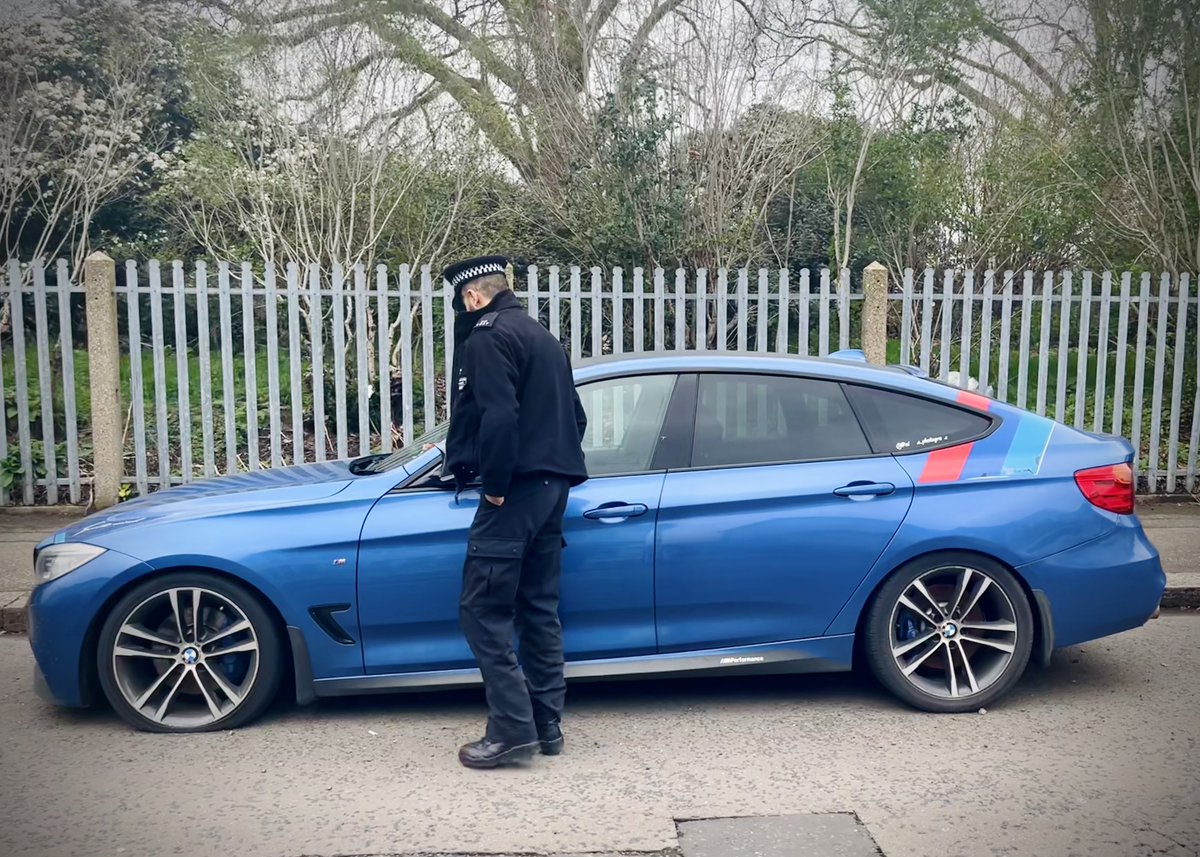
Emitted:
<point x="232" y="669"/>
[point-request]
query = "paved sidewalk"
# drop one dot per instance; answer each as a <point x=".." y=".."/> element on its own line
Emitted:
<point x="1173" y="528"/>
<point x="20" y="530"/>
<point x="1175" y="531"/>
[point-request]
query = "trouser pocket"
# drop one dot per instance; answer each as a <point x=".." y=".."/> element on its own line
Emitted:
<point x="492" y="571"/>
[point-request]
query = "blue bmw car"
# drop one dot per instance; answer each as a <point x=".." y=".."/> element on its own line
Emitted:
<point x="743" y="514"/>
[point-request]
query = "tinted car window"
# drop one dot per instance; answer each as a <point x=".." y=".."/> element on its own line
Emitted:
<point x="758" y="419"/>
<point x="899" y="423"/>
<point x="625" y="419"/>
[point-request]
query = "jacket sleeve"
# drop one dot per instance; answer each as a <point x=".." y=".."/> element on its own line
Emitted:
<point x="492" y="369"/>
<point x="580" y="415"/>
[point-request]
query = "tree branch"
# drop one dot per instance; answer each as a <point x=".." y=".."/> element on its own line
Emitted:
<point x="483" y="107"/>
<point x="476" y="46"/>
<point x="997" y="34"/>
<point x="600" y="17"/>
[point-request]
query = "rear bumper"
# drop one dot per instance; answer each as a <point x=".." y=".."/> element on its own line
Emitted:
<point x="1102" y="587"/>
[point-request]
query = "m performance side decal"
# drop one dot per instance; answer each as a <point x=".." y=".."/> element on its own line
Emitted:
<point x="1016" y="448"/>
<point x="1028" y="447"/>
<point x="946" y="464"/>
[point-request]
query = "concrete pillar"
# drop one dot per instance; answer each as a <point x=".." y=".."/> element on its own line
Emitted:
<point x="104" y="378"/>
<point x="874" y="317"/>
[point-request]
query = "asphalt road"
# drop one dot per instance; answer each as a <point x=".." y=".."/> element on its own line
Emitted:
<point x="1098" y="755"/>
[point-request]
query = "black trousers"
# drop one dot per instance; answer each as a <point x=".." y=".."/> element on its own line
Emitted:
<point x="511" y="588"/>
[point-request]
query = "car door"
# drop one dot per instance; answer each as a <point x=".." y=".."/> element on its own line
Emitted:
<point x="781" y="513"/>
<point x="413" y="543"/>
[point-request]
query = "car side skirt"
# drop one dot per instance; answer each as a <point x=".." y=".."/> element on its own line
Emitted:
<point x="819" y="654"/>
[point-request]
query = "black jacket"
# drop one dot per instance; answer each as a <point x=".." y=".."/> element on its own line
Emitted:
<point x="514" y="410"/>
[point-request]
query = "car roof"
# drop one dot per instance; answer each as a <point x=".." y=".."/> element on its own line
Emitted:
<point x="832" y="368"/>
<point x="724" y="361"/>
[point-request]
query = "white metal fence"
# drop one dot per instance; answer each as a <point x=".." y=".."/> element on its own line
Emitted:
<point x="228" y="367"/>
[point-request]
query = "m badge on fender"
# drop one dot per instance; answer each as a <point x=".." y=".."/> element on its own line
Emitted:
<point x="462" y="383"/>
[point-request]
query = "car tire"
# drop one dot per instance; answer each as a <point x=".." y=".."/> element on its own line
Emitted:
<point x="949" y="632"/>
<point x="161" y="672"/>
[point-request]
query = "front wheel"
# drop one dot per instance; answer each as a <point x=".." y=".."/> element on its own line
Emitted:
<point x="189" y="652"/>
<point x="949" y="632"/>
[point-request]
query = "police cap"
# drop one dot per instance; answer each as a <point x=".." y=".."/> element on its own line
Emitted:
<point x="461" y="273"/>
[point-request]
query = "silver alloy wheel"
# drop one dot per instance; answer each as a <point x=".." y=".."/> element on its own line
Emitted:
<point x="185" y="657"/>
<point x="953" y="632"/>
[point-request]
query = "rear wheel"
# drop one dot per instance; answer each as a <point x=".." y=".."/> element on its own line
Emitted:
<point x="189" y="652"/>
<point x="949" y="632"/>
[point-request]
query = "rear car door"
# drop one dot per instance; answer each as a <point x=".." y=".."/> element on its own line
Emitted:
<point x="781" y="513"/>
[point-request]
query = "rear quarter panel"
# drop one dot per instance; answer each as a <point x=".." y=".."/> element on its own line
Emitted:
<point x="1011" y="495"/>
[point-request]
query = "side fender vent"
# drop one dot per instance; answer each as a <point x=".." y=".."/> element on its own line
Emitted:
<point x="323" y="615"/>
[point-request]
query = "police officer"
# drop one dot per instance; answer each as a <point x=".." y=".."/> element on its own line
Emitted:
<point x="516" y="426"/>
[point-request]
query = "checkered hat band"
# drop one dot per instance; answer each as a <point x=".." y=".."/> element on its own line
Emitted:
<point x="477" y="271"/>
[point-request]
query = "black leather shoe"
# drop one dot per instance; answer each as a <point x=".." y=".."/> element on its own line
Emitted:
<point x="491" y="754"/>
<point x="550" y="738"/>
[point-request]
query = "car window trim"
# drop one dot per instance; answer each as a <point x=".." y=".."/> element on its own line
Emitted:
<point x="994" y="420"/>
<point x="404" y="486"/>
<point x="783" y="463"/>
<point x="677" y="432"/>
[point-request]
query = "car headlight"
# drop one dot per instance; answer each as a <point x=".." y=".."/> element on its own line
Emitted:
<point x="57" y="560"/>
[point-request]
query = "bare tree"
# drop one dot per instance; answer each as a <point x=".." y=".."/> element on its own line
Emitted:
<point x="288" y="173"/>
<point x="313" y="179"/>
<point x="750" y="125"/>
<point x="80" y="90"/>
<point x="1148" y="145"/>
<point x="520" y="72"/>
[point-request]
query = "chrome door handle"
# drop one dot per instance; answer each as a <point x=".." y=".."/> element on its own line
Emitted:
<point x="616" y="510"/>
<point x="865" y="489"/>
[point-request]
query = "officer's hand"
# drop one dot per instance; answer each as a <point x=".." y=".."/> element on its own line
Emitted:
<point x="426" y="447"/>
<point x="495" y="501"/>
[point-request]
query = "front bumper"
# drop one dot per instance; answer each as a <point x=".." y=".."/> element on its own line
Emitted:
<point x="1102" y="587"/>
<point x="63" y="616"/>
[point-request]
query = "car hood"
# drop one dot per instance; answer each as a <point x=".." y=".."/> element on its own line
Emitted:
<point x="257" y="489"/>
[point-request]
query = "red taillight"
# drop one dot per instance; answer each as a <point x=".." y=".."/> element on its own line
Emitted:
<point x="1109" y="487"/>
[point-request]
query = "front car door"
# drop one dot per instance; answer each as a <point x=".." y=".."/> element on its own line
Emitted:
<point x="413" y="543"/>
<point x="782" y="512"/>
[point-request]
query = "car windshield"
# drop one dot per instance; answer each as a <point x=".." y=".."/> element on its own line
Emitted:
<point x="382" y="463"/>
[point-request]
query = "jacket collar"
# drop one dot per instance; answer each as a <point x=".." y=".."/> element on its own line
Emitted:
<point x="505" y="300"/>
<point x="465" y="321"/>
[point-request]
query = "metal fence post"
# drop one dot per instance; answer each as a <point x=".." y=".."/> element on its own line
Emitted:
<point x="874" y="316"/>
<point x="104" y="378"/>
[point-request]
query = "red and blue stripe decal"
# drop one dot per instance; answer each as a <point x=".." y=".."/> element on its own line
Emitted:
<point x="1015" y="448"/>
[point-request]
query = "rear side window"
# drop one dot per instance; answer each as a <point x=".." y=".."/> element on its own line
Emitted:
<point x="762" y="419"/>
<point x="899" y="423"/>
